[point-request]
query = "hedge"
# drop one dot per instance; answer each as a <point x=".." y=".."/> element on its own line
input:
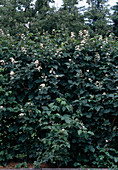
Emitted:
<point x="59" y="100"/>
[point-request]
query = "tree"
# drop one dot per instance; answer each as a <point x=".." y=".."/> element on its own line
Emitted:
<point x="69" y="17"/>
<point x="97" y="15"/>
<point x="45" y="18"/>
<point x="115" y="19"/>
<point x="15" y="14"/>
<point x="71" y="5"/>
<point x="20" y="16"/>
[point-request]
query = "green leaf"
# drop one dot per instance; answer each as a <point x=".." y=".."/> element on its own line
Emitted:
<point x="92" y="149"/>
<point x="11" y="129"/>
<point x="79" y="132"/>
<point x="63" y="108"/>
<point x="98" y="108"/>
<point x="23" y="138"/>
<point x="116" y="159"/>
<point x="91" y="133"/>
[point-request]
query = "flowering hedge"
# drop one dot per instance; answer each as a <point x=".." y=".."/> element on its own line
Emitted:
<point x="59" y="100"/>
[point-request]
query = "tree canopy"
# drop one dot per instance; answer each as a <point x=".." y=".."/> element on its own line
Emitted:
<point x="115" y="19"/>
<point x="19" y="16"/>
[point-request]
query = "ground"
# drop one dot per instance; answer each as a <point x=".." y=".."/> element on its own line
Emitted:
<point x="12" y="165"/>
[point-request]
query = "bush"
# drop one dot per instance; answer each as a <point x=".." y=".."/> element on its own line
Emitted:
<point x="59" y="100"/>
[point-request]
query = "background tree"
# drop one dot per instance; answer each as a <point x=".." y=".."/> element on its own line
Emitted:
<point x="1" y="2"/>
<point x="115" y="19"/>
<point x="44" y="19"/>
<point x="18" y="16"/>
<point x="15" y="14"/>
<point x="69" y="17"/>
<point x="98" y="15"/>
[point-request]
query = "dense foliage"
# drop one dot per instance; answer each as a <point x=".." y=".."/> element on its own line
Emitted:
<point x="18" y="17"/>
<point x="22" y="16"/>
<point x="59" y="100"/>
<point x="98" y="17"/>
<point x="115" y="19"/>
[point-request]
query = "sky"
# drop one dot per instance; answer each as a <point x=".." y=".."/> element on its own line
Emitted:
<point x="58" y="3"/>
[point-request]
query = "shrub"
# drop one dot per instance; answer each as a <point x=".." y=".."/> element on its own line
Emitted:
<point x="59" y="100"/>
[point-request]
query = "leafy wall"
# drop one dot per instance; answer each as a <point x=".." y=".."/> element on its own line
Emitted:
<point x="59" y="100"/>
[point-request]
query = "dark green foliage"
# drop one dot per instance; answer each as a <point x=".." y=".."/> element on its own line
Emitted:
<point x="59" y="100"/>
<point x="115" y="19"/>
<point x="70" y="18"/>
<point x="18" y="17"/>
<point x="98" y="16"/>
<point x="15" y="15"/>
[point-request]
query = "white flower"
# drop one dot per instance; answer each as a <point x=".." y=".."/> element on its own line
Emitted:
<point x="12" y="73"/>
<point x="42" y="85"/>
<point x="23" y="49"/>
<point x="106" y="40"/>
<point x="86" y="32"/>
<point x="51" y="71"/>
<point x="1" y="32"/>
<point x="72" y="35"/>
<point x="1" y="107"/>
<point x="63" y="129"/>
<point x="104" y="94"/>
<point x="2" y="61"/>
<point x="83" y="126"/>
<point x="36" y="63"/>
<point x="57" y="76"/>
<point x="70" y="60"/>
<point x="41" y="45"/>
<point x="22" y="36"/>
<point x="27" y="25"/>
<point x="54" y="72"/>
<point x="97" y="83"/>
<point x="108" y="55"/>
<point x="87" y="71"/>
<point x="83" y="41"/>
<point x="13" y="60"/>
<point x="21" y="114"/>
<point x="111" y="35"/>
<point x="53" y="30"/>
<point x="77" y="48"/>
<point x="97" y="55"/>
<point x="59" y="50"/>
<point x="45" y="78"/>
<point x="80" y="33"/>
<point x="100" y="37"/>
<point x="39" y="68"/>
<point x="59" y="56"/>
<point x="29" y="103"/>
